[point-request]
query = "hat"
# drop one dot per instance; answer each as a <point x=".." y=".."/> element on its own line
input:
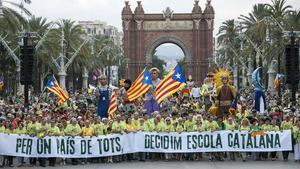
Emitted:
<point x="154" y="69"/>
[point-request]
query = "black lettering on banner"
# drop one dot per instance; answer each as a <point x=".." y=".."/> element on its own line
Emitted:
<point x="106" y="144"/>
<point x="249" y="141"/>
<point x="243" y="140"/>
<point x="212" y="141"/>
<point x="18" y="144"/>
<point x="269" y="140"/>
<point x="194" y="139"/>
<point x="230" y="142"/>
<point x="178" y="143"/>
<point x="152" y="141"/>
<point x="100" y="145"/>
<point x="277" y="143"/>
<point x="89" y="146"/>
<point x="188" y="141"/>
<point x="118" y="145"/>
<point x="200" y="141"/>
<point x="206" y="141"/>
<point x="166" y="142"/>
<point x="147" y="141"/>
<point x="236" y="142"/>
<point x="112" y="141"/>
<point x="83" y="146"/>
<point x="255" y="142"/>
<point x="72" y="148"/>
<point x="157" y="141"/>
<point x="262" y="141"/>
<point x="219" y="141"/>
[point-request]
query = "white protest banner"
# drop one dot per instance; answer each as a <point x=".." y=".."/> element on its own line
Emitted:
<point x="116" y="144"/>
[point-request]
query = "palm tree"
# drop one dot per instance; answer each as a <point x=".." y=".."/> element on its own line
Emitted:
<point x="10" y="17"/>
<point x="11" y="23"/>
<point x="255" y="27"/>
<point x="72" y="39"/>
<point x="227" y="38"/>
<point x="279" y="11"/>
<point x="292" y="20"/>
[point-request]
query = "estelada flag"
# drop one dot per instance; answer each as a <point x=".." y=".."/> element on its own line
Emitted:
<point x="174" y="81"/>
<point x="54" y="87"/>
<point x="140" y="86"/>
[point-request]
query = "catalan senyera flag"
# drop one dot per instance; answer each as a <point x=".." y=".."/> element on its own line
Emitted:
<point x="173" y="82"/>
<point x="54" y="87"/>
<point x="140" y="86"/>
<point x="112" y="105"/>
<point x="278" y="80"/>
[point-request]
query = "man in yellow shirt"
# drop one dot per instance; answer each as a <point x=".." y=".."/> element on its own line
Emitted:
<point x="20" y="129"/>
<point x="168" y="127"/>
<point x="53" y="129"/>
<point x="189" y="123"/>
<point x="73" y="129"/>
<point x="135" y="120"/>
<point x="98" y="127"/>
<point x="117" y="125"/>
<point x="286" y="125"/>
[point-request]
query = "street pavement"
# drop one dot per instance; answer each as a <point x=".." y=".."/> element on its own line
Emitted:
<point x="185" y="165"/>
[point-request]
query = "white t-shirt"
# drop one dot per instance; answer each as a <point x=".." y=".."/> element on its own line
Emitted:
<point x="195" y="92"/>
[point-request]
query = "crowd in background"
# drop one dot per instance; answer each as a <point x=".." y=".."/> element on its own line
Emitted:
<point x="183" y="112"/>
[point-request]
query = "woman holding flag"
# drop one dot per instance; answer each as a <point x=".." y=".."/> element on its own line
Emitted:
<point x="151" y="104"/>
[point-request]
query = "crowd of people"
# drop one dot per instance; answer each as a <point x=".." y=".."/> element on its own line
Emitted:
<point x="183" y="112"/>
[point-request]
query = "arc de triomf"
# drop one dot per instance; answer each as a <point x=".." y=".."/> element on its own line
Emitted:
<point x="192" y="32"/>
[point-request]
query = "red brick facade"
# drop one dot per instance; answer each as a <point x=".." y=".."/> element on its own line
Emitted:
<point x="196" y="39"/>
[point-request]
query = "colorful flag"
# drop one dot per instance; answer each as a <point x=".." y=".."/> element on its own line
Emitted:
<point x="112" y="105"/>
<point x="140" y="86"/>
<point x="54" y="87"/>
<point x="278" y="80"/>
<point x="173" y="82"/>
<point x="1" y="82"/>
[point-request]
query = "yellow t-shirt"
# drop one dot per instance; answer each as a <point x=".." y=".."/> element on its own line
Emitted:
<point x="2" y="129"/>
<point x="87" y="131"/>
<point x="130" y="127"/>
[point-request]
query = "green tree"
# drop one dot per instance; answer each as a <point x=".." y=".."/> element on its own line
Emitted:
<point x="158" y="63"/>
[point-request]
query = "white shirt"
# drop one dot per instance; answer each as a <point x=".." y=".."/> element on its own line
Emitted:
<point x="195" y="91"/>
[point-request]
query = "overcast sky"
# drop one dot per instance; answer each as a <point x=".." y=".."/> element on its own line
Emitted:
<point x="110" y="10"/>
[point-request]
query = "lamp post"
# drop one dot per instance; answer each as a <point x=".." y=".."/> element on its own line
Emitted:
<point x="293" y="55"/>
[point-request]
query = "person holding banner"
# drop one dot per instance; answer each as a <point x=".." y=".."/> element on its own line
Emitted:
<point x="151" y="104"/>
<point x="296" y="137"/>
<point x="103" y="92"/>
<point x="245" y="126"/>
<point x="286" y="124"/>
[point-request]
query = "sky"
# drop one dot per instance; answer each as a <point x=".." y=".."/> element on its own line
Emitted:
<point x="110" y="10"/>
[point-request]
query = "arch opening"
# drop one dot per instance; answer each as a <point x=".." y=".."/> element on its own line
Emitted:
<point x="167" y="55"/>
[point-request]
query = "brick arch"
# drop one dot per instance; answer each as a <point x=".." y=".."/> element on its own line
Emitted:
<point x="192" y="32"/>
<point x="166" y="39"/>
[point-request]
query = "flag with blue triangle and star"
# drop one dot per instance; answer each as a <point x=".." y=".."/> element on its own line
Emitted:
<point x="174" y="81"/>
<point x="140" y="86"/>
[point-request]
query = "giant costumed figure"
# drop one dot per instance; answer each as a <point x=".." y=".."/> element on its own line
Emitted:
<point x="225" y="92"/>
<point x="103" y="92"/>
<point x="208" y="91"/>
<point x="259" y="96"/>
